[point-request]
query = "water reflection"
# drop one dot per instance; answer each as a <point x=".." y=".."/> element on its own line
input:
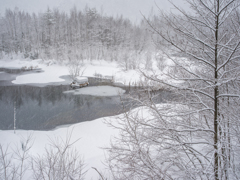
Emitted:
<point x="41" y="108"/>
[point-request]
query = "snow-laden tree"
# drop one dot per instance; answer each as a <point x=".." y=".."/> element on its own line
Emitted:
<point x="196" y="134"/>
<point x="85" y="34"/>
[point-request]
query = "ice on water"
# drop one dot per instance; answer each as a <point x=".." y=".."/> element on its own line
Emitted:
<point x="98" y="91"/>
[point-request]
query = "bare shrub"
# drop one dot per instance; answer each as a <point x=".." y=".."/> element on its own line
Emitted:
<point x="76" y="68"/>
<point x="13" y="165"/>
<point x="124" y="62"/>
<point x="60" y="162"/>
<point x="7" y="168"/>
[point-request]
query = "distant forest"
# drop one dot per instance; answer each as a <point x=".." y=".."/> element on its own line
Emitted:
<point x="79" y="34"/>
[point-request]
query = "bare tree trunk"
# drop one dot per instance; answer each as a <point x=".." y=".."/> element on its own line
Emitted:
<point x="216" y="93"/>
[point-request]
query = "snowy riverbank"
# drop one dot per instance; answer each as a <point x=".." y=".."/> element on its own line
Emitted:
<point x="52" y="71"/>
<point x="92" y="135"/>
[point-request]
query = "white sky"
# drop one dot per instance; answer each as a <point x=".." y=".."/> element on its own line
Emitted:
<point x="127" y="8"/>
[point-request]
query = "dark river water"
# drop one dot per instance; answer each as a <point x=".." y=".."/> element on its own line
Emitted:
<point x="46" y="107"/>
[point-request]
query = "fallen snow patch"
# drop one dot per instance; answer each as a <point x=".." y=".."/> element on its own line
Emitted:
<point x="50" y="74"/>
<point x="98" y="91"/>
<point x="81" y="79"/>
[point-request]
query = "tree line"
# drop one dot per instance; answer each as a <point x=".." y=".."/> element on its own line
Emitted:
<point x="85" y="34"/>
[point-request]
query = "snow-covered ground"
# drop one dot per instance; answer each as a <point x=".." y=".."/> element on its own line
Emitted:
<point x="53" y="71"/>
<point x="92" y="135"/>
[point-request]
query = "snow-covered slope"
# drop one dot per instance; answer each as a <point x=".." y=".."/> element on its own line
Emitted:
<point x="92" y="136"/>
